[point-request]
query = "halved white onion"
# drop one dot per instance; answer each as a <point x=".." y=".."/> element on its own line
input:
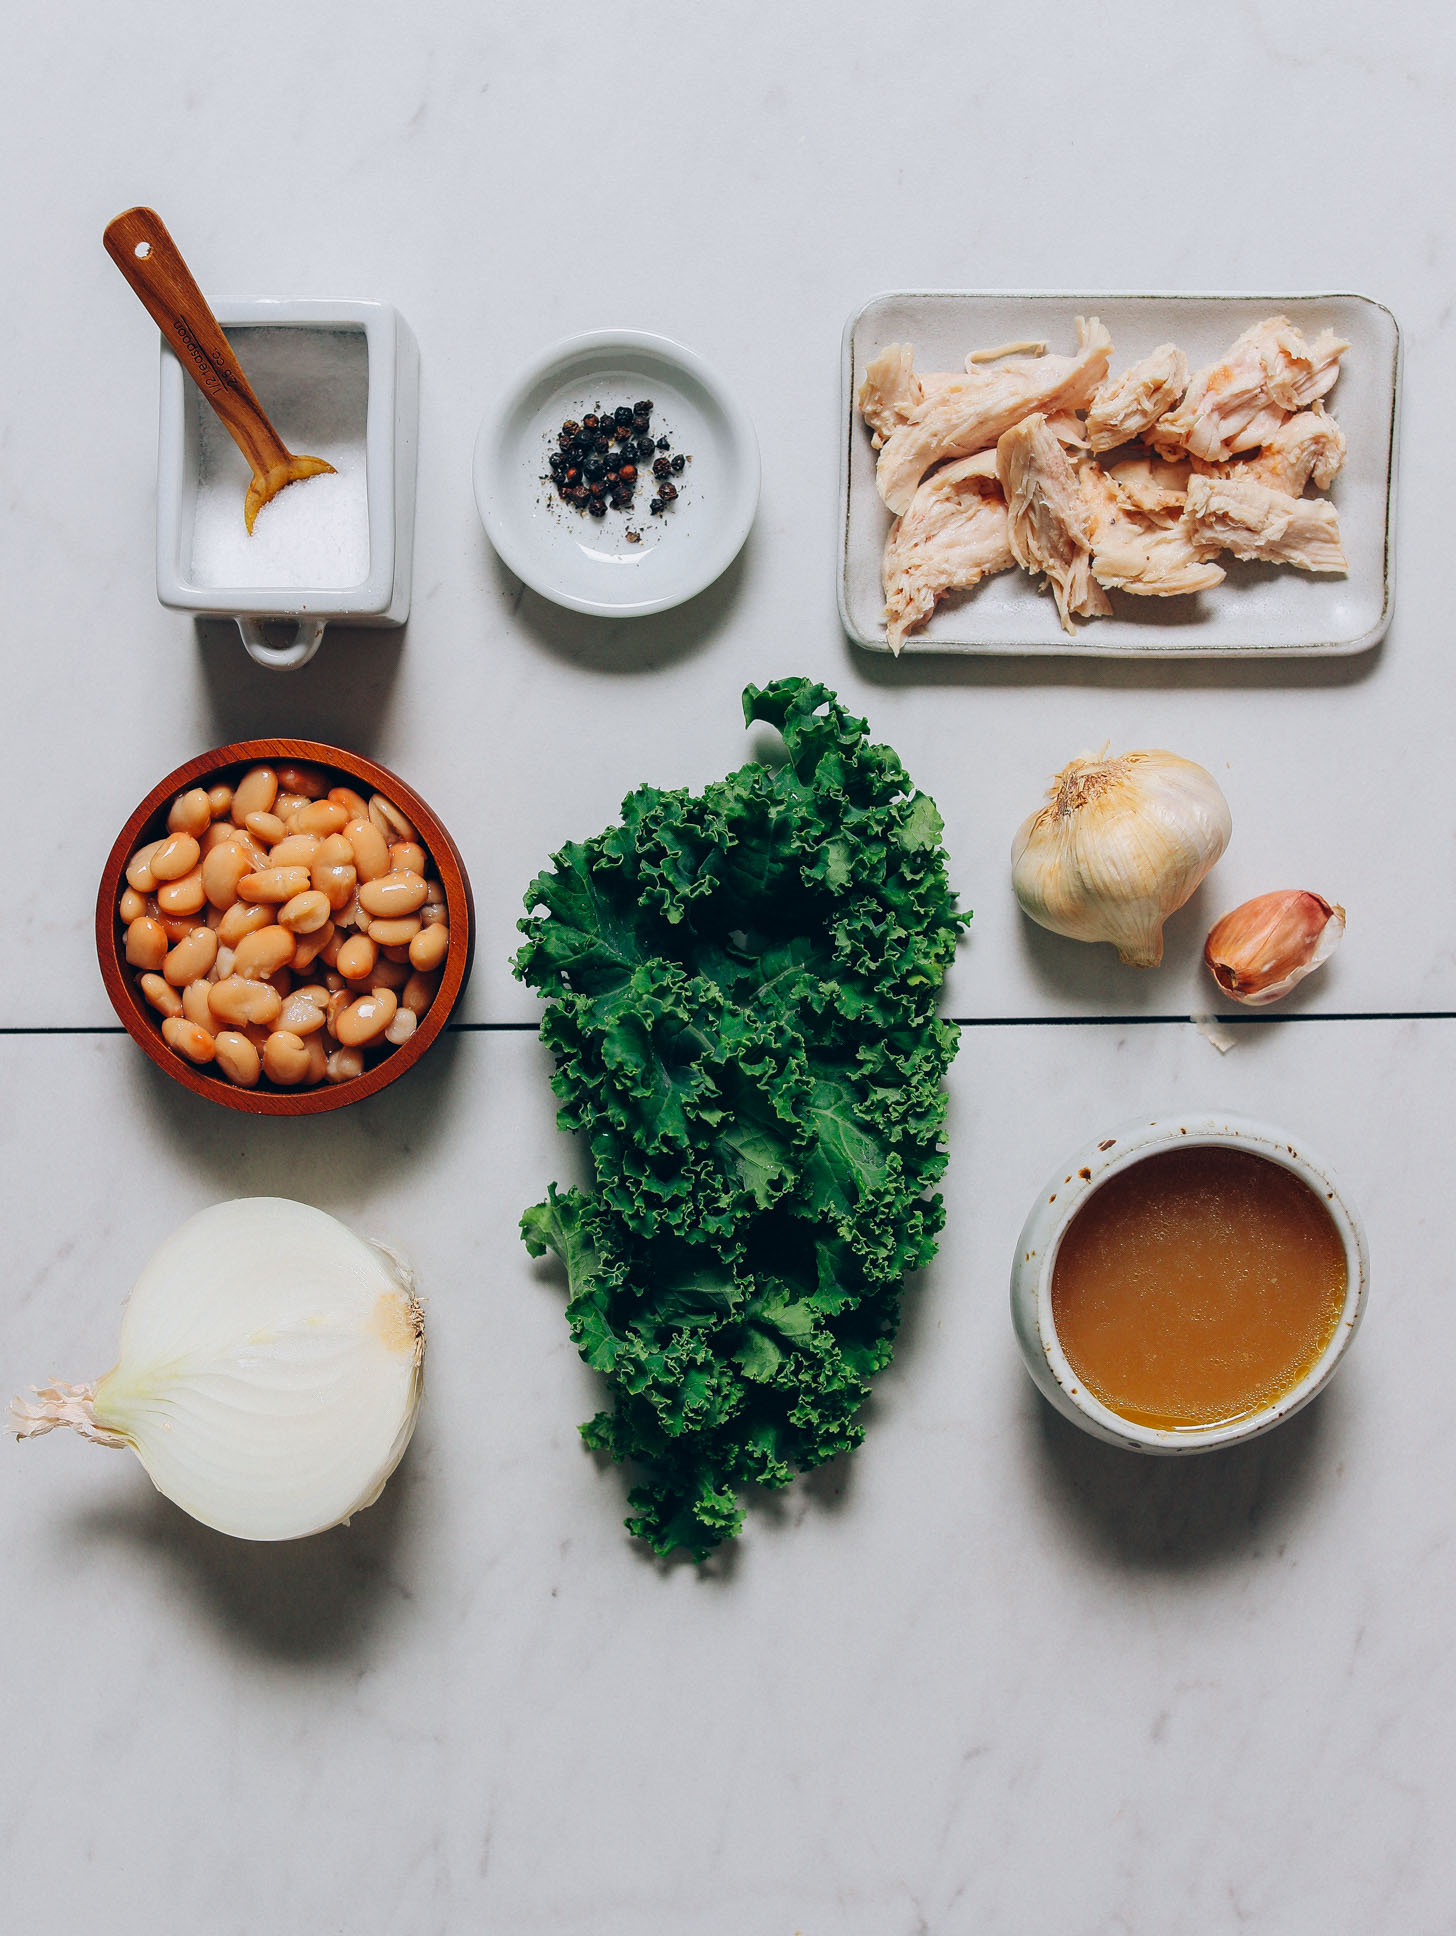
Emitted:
<point x="269" y="1375"/>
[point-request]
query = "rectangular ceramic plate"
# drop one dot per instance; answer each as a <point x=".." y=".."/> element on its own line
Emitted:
<point x="1259" y="611"/>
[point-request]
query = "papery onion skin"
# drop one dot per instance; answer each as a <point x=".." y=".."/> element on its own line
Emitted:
<point x="270" y="1371"/>
<point x="1120" y="845"/>
<point x="1263" y="948"/>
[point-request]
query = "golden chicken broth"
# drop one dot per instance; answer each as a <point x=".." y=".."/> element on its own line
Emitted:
<point x="1197" y="1286"/>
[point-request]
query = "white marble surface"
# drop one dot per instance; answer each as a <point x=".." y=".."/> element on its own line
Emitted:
<point x="992" y="1677"/>
<point x="770" y="191"/>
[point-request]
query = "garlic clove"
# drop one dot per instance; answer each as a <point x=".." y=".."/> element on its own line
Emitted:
<point x="1120" y="845"/>
<point x="1259" y="951"/>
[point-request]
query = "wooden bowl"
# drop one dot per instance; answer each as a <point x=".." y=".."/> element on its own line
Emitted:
<point x="226" y="764"/>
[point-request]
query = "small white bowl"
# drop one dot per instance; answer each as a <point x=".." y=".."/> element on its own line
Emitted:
<point x="391" y="435"/>
<point x="586" y="563"/>
<point x="1064" y="1195"/>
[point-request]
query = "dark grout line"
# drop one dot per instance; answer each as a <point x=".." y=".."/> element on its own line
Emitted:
<point x="962" y="1021"/>
<point x="492" y="1028"/>
<point x="1234" y="1020"/>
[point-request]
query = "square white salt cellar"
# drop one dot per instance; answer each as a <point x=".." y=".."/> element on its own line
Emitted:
<point x="339" y="380"/>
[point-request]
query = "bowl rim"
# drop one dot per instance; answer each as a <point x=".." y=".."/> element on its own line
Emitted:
<point x="379" y="323"/>
<point x="490" y="455"/>
<point x="131" y="1006"/>
<point x="1052" y="1215"/>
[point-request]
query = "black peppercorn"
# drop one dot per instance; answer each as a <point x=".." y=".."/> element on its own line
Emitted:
<point x="598" y="462"/>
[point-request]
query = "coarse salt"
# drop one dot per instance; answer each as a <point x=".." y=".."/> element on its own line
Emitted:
<point x="314" y="535"/>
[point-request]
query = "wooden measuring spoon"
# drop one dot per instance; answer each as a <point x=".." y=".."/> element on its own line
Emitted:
<point x="138" y="243"/>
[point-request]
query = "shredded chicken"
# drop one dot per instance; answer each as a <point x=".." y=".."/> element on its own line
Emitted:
<point x="1127" y="405"/>
<point x="972" y="411"/>
<point x="1067" y="427"/>
<point x="1238" y="404"/>
<point x="953" y="536"/>
<point x="1151" y="489"/>
<point x="891" y="393"/>
<point x="1307" y="448"/>
<point x="1253" y="521"/>
<point x="1027" y="346"/>
<point x="1154" y="564"/>
<point x="1151" y="556"/>
<point x="1048" y="521"/>
<point x="1221" y="470"/>
<point x="1106" y="508"/>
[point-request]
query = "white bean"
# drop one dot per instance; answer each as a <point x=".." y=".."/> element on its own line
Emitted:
<point x="429" y="948"/>
<point x="306" y="780"/>
<point x="285" y="1059"/>
<point x="366" y="1018"/>
<point x="146" y="943"/>
<point x="190" y="813"/>
<point x="274" y="884"/>
<point x="254" y="793"/>
<point x="177" y="855"/>
<point x="162" y="996"/>
<point x="237" y="1057"/>
<point x="262" y="954"/>
<point x="139" y="869"/>
<point x="185" y="894"/>
<point x="387" y="817"/>
<point x="191" y="959"/>
<point x="236" y="1002"/>
<point x="265" y="828"/>
<point x="300" y="1015"/>
<point x="371" y="849"/>
<point x="187" y="1039"/>
<point x="194" y="1005"/>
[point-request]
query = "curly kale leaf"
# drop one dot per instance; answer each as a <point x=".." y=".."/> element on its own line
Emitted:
<point x="741" y="993"/>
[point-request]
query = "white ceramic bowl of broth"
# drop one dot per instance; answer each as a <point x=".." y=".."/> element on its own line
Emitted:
<point x="1069" y="1189"/>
